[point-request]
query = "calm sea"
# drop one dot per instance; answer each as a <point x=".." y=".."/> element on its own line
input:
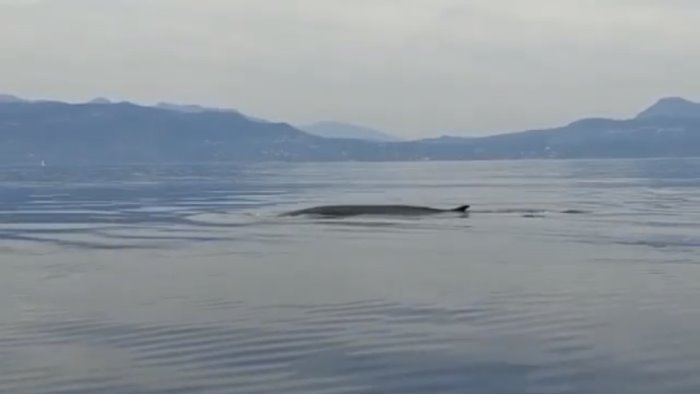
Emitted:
<point x="567" y="277"/>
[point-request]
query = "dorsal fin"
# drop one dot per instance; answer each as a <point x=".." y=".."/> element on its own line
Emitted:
<point x="463" y="208"/>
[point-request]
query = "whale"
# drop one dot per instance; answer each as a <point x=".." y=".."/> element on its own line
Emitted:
<point x="380" y="210"/>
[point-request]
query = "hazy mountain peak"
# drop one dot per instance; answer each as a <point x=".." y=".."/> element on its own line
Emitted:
<point x="676" y="107"/>
<point x="196" y="109"/>
<point x="100" y="100"/>
<point x="333" y="129"/>
<point x="8" y="98"/>
<point x="190" y="108"/>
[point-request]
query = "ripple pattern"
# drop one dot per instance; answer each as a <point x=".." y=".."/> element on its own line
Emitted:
<point x="567" y="278"/>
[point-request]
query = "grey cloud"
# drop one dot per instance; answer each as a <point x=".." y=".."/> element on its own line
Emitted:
<point x="416" y="67"/>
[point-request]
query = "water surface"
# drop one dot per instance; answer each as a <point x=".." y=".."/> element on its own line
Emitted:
<point x="567" y="277"/>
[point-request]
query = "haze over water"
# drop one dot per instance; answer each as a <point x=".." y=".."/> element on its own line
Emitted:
<point x="578" y="277"/>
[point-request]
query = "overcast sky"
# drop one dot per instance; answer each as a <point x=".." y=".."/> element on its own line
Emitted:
<point x="413" y="67"/>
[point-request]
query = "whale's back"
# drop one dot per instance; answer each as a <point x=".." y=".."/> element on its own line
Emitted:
<point x="354" y="210"/>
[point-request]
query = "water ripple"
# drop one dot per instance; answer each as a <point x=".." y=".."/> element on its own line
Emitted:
<point x="568" y="277"/>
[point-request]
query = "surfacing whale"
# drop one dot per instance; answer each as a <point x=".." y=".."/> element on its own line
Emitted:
<point x="355" y="210"/>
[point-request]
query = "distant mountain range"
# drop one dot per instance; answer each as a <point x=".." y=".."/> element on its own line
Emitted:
<point x="330" y="129"/>
<point x="8" y="98"/>
<point x="187" y="108"/>
<point x="102" y="131"/>
<point x="674" y="107"/>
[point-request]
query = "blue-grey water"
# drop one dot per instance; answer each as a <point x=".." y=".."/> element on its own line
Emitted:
<point x="567" y="277"/>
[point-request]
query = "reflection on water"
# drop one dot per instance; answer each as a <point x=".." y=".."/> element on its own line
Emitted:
<point x="566" y="277"/>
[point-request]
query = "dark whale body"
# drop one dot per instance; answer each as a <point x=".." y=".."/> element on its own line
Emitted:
<point x="355" y="210"/>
